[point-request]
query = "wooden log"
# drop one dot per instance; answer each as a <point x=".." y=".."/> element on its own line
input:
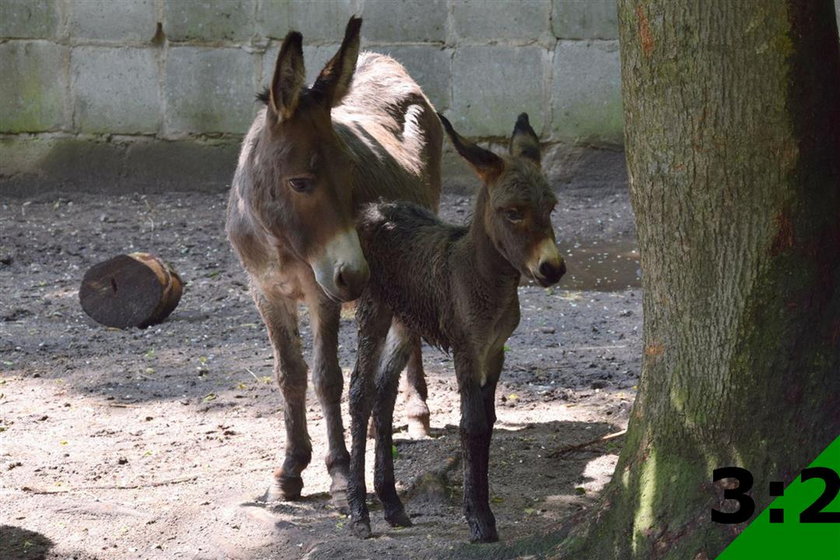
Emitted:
<point x="135" y="290"/>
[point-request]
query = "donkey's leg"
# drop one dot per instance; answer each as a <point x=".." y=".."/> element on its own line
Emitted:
<point x="373" y="324"/>
<point x="329" y="384"/>
<point x="398" y="349"/>
<point x="495" y="362"/>
<point x="475" y="446"/>
<point x="280" y="317"/>
<point x="415" y="393"/>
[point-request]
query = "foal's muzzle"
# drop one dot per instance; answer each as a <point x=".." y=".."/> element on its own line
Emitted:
<point x="550" y="272"/>
<point x="547" y="266"/>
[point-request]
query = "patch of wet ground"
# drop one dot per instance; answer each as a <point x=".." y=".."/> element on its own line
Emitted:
<point x="155" y="443"/>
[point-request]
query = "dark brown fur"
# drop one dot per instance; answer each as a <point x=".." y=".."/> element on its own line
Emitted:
<point x="457" y="288"/>
<point x="312" y="156"/>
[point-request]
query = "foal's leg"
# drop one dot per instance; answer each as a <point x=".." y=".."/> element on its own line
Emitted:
<point x="373" y="322"/>
<point x="476" y="430"/>
<point x="280" y="317"/>
<point x="413" y="388"/>
<point x="329" y="384"/>
<point x="398" y="349"/>
<point x="495" y="363"/>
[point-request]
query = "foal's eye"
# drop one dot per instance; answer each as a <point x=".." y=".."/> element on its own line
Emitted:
<point x="513" y="215"/>
<point x="301" y="184"/>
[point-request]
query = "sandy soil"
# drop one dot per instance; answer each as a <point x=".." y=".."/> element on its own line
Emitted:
<point x="157" y="443"/>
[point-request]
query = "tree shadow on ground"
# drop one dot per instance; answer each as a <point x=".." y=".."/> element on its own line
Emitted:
<point x="22" y="544"/>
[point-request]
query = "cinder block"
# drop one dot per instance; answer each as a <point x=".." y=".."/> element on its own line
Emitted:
<point x="220" y="20"/>
<point x="19" y="157"/>
<point x="65" y="164"/>
<point x="32" y="90"/>
<point x="458" y="176"/>
<point x="209" y="90"/>
<point x="155" y="166"/>
<point x="430" y="67"/>
<point x="585" y="168"/>
<point x="28" y="19"/>
<point x="492" y="85"/>
<point x="405" y="21"/>
<point x="44" y="164"/>
<point x="273" y="18"/>
<point x="592" y="19"/>
<point x="525" y="21"/>
<point x="321" y="22"/>
<point x="115" y="90"/>
<point x="125" y="21"/>
<point x="314" y="59"/>
<point x="586" y="92"/>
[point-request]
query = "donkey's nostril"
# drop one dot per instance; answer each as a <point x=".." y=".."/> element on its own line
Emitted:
<point x="351" y="280"/>
<point x="552" y="272"/>
<point x="340" y="281"/>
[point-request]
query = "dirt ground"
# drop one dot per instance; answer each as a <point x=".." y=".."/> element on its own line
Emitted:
<point x="158" y="443"/>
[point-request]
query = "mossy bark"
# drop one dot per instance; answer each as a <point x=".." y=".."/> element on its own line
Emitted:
<point x="732" y="124"/>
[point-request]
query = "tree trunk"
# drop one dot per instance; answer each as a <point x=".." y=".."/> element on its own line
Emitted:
<point x="732" y="120"/>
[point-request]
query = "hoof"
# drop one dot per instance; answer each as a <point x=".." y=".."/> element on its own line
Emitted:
<point x="361" y="529"/>
<point x="398" y="518"/>
<point x="419" y="428"/>
<point x="338" y="500"/>
<point x="285" y="488"/>
<point x="483" y="535"/>
<point x="338" y="491"/>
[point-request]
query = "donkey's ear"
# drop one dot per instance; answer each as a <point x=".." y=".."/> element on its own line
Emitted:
<point x="289" y="75"/>
<point x="333" y="82"/>
<point x="487" y="164"/>
<point x="524" y="142"/>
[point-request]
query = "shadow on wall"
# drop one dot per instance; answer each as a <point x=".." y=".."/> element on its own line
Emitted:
<point x="70" y="164"/>
<point x="22" y="544"/>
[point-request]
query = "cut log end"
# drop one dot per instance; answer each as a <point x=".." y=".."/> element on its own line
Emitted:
<point x="136" y="290"/>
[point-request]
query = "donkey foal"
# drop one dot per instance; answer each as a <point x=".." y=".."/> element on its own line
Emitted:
<point x="457" y="288"/>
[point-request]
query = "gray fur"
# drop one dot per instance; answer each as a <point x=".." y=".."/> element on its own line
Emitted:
<point x="456" y="287"/>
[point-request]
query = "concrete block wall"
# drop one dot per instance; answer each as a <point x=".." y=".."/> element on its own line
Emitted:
<point x="154" y="94"/>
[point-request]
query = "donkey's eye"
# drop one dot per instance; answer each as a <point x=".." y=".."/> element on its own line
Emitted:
<point x="513" y="215"/>
<point x="301" y="184"/>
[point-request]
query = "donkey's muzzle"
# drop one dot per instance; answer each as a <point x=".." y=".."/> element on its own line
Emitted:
<point x="350" y="281"/>
<point x="551" y="272"/>
<point x="341" y="269"/>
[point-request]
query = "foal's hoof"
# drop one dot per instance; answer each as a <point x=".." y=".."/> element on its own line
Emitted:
<point x="285" y="488"/>
<point x="485" y="535"/>
<point x="361" y="529"/>
<point x="398" y="518"/>
<point x="483" y="531"/>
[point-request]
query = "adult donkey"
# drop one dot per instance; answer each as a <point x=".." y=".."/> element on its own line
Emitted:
<point x="312" y="156"/>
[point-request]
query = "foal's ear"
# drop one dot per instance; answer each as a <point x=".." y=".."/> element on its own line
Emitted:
<point x="487" y="164"/>
<point x="289" y="74"/>
<point x="524" y="142"/>
<point x="333" y="82"/>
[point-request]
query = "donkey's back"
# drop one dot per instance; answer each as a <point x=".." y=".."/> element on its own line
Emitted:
<point x="392" y="132"/>
<point x="410" y="252"/>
